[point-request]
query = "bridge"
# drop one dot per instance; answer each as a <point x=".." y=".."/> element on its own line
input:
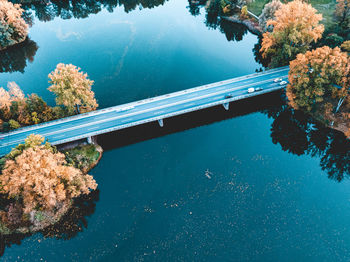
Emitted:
<point x="152" y="109"/>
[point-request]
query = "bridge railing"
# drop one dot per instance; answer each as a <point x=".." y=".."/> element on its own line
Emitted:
<point x="143" y="101"/>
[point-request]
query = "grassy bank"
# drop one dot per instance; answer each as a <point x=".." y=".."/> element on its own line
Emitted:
<point x="325" y="7"/>
<point x="84" y="157"/>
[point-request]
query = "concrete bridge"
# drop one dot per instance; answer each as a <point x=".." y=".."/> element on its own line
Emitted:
<point x="152" y="109"/>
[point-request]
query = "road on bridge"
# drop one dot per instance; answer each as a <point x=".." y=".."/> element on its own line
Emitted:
<point x="143" y="111"/>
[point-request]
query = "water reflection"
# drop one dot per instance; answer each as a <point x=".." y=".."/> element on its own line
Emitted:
<point x="195" y="6"/>
<point x="67" y="9"/>
<point x="208" y="116"/>
<point x="15" y="58"/>
<point x="75" y="220"/>
<point x="69" y="226"/>
<point x="300" y="134"/>
<point x="257" y="54"/>
<point x="296" y="132"/>
<point x="233" y="31"/>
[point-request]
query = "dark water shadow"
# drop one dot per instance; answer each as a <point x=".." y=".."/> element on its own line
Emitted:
<point x="232" y="31"/>
<point x="258" y="55"/>
<point x="296" y="132"/>
<point x="191" y="120"/>
<point x="16" y="58"/>
<point x="194" y="6"/>
<point x="73" y="222"/>
<point x="299" y="134"/>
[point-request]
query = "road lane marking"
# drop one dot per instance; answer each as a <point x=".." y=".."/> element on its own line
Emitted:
<point x="60" y="136"/>
<point x="151" y="100"/>
<point x="140" y="112"/>
<point x="146" y="110"/>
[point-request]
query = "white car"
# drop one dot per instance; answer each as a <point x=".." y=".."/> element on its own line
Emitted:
<point x="277" y="80"/>
<point x="283" y="83"/>
<point x="251" y="90"/>
<point x="124" y="108"/>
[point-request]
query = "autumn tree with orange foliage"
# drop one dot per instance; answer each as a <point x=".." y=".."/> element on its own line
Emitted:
<point x="72" y="88"/>
<point x="18" y="110"/>
<point x="295" y="27"/>
<point x="39" y="176"/>
<point x="13" y="28"/>
<point x="318" y="79"/>
<point x="14" y="94"/>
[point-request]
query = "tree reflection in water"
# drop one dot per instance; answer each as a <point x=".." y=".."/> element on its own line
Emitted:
<point x="300" y="134"/>
<point x="257" y="54"/>
<point x="66" y="9"/>
<point x="233" y="31"/>
<point x="75" y="220"/>
<point x="194" y="6"/>
<point x="15" y="58"/>
<point x="69" y="226"/>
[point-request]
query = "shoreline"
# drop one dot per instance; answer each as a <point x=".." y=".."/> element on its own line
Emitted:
<point x="252" y="27"/>
<point x="75" y="151"/>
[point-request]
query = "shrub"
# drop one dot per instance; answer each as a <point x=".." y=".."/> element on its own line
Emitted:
<point x="346" y="46"/>
<point x="23" y="110"/>
<point x="14" y="124"/>
<point x="244" y="12"/>
<point x="333" y="40"/>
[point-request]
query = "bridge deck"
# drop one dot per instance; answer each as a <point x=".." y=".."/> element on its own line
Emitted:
<point x="147" y="110"/>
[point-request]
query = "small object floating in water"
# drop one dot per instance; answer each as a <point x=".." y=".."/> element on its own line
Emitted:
<point x="208" y="174"/>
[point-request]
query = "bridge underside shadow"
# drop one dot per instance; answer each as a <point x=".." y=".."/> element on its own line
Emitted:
<point x="191" y="120"/>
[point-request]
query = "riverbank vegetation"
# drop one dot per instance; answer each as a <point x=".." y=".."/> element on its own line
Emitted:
<point x="84" y="157"/>
<point x="319" y="84"/>
<point x="38" y="186"/>
<point x="319" y="74"/>
<point x="73" y="95"/>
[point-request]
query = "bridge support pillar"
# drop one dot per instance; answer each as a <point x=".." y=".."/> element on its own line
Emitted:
<point x="89" y="140"/>
<point x="226" y="106"/>
<point x="160" y="122"/>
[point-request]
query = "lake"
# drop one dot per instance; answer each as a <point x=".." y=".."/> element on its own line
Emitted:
<point x="259" y="182"/>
